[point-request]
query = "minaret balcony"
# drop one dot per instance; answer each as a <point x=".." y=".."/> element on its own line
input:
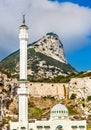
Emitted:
<point x="23" y="81"/>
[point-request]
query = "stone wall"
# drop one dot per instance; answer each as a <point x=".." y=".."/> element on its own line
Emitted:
<point x="57" y="90"/>
<point x="80" y="86"/>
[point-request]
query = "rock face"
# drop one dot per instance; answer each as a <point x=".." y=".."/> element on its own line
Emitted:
<point x="81" y="87"/>
<point x="8" y="92"/>
<point x="50" y="45"/>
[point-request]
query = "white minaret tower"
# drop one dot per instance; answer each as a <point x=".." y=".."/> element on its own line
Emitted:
<point x="23" y="90"/>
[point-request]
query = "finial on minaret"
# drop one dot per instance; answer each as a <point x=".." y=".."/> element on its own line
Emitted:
<point x="23" y="18"/>
<point x="23" y="22"/>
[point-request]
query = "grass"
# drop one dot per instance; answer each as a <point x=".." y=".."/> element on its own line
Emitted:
<point x="89" y="126"/>
<point x="35" y="112"/>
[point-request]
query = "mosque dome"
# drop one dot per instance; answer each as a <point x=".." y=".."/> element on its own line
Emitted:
<point x="59" y="111"/>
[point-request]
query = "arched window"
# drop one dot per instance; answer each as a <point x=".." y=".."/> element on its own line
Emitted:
<point x="23" y="128"/>
<point x="82" y="127"/>
<point x="47" y="127"/>
<point x="74" y="127"/>
<point x="39" y="127"/>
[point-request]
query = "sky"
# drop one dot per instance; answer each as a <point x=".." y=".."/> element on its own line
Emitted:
<point x="69" y="19"/>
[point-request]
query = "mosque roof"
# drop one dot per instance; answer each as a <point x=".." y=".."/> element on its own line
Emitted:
<point x="59" y="110"/>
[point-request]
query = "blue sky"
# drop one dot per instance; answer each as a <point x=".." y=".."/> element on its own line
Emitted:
<point x="71" y="20"/>
<point x="80" y="2"/>
<point x="80" y="58"/>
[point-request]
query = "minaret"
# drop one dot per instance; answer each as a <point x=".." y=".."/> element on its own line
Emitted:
<point x="23" y="36"/>
<point x="23" y="90"/>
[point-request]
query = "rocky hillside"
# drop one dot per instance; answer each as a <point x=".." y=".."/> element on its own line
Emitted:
<point x="78" y="89"/>
<point x="46" y="59"/>
<point x="78" y="103"/>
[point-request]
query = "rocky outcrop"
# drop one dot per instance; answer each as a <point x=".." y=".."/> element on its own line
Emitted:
<point x="50" y="45"/>
<point x="8" y="94"/>
<point x="80" y="86"/>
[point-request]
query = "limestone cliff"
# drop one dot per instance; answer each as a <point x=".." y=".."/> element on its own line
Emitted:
<point x="50" y="45"/>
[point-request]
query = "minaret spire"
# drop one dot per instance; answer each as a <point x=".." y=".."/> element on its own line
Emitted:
<point x="23" y="18"/>
<point x="23" y="26"/>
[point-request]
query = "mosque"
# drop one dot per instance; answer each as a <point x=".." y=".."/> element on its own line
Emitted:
<point x="59" y="120"/>
<point x="59" y="115"/>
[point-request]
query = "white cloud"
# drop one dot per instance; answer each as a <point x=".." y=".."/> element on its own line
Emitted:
<point x="70" y="21"/>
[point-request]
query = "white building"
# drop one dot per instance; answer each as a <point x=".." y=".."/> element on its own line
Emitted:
<point x="59" y="115"/>
<point x="59" y="120"/>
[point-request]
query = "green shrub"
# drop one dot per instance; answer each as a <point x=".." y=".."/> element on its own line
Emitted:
<point x="89" y="98"/>
<point x="73" y="96"/>
<point x="83" y="104"/>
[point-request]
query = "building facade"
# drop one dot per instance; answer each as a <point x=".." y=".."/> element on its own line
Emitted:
<point x="59" y="120"/>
